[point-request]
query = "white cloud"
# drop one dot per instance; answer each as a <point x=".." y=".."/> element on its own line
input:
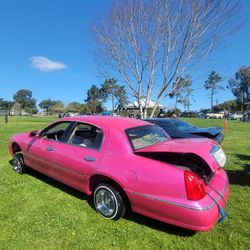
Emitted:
<point x="45" y="64"/>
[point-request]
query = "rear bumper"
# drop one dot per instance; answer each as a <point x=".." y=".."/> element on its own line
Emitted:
<point x="195" y="216"/>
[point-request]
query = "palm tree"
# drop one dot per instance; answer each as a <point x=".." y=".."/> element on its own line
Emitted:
<point x="212" y="83"/>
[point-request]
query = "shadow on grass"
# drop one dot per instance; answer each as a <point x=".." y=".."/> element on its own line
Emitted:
<point x="131" y="216"/>
<point x="240" y="177"/>
<point x="56" y="184"/>
<point x="243" y="157"/>
<point x="158" y="225"/>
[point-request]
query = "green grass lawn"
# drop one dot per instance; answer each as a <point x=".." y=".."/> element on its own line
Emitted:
<point x="39" y="213"/>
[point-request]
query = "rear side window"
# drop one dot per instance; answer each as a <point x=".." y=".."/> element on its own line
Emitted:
<point x="86" y="136"/>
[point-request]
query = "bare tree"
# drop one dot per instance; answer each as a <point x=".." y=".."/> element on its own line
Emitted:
<point x="149" y="43"/>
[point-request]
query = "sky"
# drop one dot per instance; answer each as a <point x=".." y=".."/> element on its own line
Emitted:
<point x="46" y="47"/>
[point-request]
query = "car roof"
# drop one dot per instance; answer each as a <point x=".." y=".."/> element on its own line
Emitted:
<point x="160" y="119"/>
<point x="120" y="123"/>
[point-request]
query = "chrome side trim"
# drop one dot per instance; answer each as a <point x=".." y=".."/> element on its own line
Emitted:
<point x="183" y="205"/>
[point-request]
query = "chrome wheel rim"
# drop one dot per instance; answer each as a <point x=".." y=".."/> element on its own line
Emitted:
<point x="105" y="202"/>
<point x="17" y="166"/>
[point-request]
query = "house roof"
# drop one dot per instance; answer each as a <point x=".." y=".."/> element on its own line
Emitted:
<point x="151" y="104"/>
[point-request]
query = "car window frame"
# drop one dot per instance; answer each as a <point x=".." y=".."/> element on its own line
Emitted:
<point x="64" y="135"/>
<point x="69" y="134"/>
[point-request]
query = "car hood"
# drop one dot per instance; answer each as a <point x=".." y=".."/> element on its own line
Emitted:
<point x="213" y="131"/>
<point x="200" y="146"/>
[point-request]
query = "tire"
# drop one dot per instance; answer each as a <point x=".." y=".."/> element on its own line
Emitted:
<point x="108" y="202"/>
<point x="18" y="163"/>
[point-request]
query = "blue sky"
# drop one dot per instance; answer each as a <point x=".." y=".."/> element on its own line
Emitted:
<point x="45" y="46"/>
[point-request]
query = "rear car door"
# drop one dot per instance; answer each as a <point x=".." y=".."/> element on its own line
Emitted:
<point x="78" y="155"/>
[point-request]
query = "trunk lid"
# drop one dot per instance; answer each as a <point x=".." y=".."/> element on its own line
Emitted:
<point x="213" y="131"/>
<point x="198" y="146"/>
<point x="193" y="154"/>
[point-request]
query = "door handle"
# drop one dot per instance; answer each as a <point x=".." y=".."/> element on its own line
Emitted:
<point x="49" y="148"/>
<point x="90" y="158"/>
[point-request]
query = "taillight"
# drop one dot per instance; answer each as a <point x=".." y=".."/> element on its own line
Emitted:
<point x="195" y="187"/>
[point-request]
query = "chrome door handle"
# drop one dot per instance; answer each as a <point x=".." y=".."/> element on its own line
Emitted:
<point x="50" y="148"/>
<point x="90" y="158"/>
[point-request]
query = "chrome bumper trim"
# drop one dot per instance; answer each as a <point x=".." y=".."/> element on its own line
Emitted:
<point x="184" y="205"/>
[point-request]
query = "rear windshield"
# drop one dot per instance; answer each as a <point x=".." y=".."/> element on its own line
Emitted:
<point x="144" y="136"/>
<point x="182" y="125"/>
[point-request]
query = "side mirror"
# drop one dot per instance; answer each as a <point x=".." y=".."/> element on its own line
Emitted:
<point x="33" y="133"/>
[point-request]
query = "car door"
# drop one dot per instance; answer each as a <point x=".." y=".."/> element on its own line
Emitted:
<point x="71" y="158"/>
<point x="78" y="155"/>
<point x="40" y="150"/>
<point x="74" y="164"/>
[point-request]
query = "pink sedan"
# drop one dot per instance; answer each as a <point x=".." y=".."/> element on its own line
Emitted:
<point x="126" y="163"/>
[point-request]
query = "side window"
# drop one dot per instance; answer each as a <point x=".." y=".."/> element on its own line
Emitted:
<point x="87" y="136"/>
<point x="55" y="131"/>
<point x="168" y="127"/>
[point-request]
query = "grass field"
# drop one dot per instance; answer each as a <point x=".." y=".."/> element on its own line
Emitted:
<point x="39" y="213"/>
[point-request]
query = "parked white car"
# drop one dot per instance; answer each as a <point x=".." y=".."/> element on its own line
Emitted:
<point x="219" y="115"/>
<point x="236" y="116"/>
<point x="210" y="115"/>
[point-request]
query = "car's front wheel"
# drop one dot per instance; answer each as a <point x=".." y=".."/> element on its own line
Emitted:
<point x="108" y="202"/>
<point x="18" y="163"/>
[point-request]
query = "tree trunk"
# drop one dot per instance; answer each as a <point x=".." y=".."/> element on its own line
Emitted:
<point x="154" y="109"/>
<point x="212" y="99"/>
<point x="145" y="113"/>
<point x="113" y="103"/>
<point x="175" y="105"/>
<point x="141" y="111"/>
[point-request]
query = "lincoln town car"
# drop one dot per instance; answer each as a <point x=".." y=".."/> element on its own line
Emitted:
<point x="128" y="164"/>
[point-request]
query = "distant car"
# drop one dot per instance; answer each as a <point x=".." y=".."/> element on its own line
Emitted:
<point x="202" y="115"/>
<point x="210" y="116"/>
<point x="236" y="116"/>
<point x="219" y="115"/>
<point x="127" y="163"/>
<point x="180" y="129"/>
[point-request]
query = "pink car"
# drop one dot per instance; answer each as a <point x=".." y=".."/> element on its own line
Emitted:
<point x="126" y="163"/>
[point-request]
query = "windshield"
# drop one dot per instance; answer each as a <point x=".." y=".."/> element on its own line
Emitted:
<point x="144" y="136"/>
<point x="181" y="125"/>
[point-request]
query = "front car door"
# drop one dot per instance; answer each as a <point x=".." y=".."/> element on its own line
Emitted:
<point x="68" y="152"/>
<point x="40" y="151"/>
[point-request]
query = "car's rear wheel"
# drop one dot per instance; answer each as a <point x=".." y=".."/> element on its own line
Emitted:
<point x="18" y="163"/>
<point x="108" y="202"/>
